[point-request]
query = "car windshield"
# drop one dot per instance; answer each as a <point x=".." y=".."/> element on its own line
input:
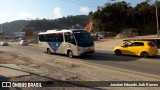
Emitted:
<point x="127" y="43"/>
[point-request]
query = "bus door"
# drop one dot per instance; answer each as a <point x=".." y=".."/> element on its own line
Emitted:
<point x="70" y="43"/>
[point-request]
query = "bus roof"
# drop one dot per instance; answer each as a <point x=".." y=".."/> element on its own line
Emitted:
<point x="59" y="31"/>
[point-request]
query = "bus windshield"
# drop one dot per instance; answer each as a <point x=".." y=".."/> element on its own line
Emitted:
<point x="83" y="38"/>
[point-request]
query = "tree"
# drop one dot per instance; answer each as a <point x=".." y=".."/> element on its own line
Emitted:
<point x="120" y="15"/>
<point x="110" y="16"/>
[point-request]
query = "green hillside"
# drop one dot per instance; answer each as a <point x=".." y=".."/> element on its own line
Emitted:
<point x="121" y="15"/>
<point x="37" y="25"/>
<point x="10" y="27"/>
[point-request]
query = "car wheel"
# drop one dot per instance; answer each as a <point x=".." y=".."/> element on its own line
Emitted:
<point x="48" y="51"/>
<point x="117" y="52"/>
<point x="70" y="54"/>
<point x="144" y="54"/>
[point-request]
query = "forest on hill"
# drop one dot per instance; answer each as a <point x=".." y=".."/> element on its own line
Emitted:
<point x="69" y="22"/>
<point x="9" y="28"/>
<point x="37" y="25"/>
<point x="121" y="15"/>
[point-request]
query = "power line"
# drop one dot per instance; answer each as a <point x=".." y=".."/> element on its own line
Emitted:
<point x="92" y="2"/>
<point x="80" y="3"/>
<point x="88" y="3"/>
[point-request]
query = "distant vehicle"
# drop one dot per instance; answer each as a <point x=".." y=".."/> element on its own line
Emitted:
<point x="23" y="43"/>
<point x="12" y="40"/>
<point x="138" y="48"/>
<point x="3" y="43"/>
<point x="99" y="35"/>
<point x="74" y="42"/>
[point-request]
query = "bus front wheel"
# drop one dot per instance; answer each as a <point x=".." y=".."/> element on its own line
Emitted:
<point x="70" y="54"/>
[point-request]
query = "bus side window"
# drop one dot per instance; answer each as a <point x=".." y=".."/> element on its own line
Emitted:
<point x="69" y="38"/>
<point x="60" y="37"/>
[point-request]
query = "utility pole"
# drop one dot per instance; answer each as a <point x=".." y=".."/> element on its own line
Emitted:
<point x="156" y="2"/>
<point x="1" y="29"/>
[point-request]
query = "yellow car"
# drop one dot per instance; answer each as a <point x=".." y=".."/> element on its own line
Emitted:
<point x="138" y="48"/>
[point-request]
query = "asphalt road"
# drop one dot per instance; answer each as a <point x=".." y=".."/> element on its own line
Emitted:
<point x="144" y="65"/>
<point x="101" y="58"/>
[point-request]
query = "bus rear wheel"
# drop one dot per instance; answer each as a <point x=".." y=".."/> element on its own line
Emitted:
<point x="70" y="54"/>
<point x="48" y="51"/>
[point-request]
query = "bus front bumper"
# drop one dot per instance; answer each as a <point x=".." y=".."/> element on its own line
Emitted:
<point x="87" y="52"/>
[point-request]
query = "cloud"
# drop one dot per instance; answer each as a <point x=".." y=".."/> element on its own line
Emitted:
<point x="57" y="13"/>
<point x="26" y="15"/>
<point x="84" y="10"/>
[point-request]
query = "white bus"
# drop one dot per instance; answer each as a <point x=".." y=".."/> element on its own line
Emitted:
<point x="74" y="42"/>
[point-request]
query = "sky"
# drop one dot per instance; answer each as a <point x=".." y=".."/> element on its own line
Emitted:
<point x="11" y="10"/>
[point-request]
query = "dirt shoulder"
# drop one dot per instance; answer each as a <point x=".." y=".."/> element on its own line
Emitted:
<point x="107" y="44"/>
